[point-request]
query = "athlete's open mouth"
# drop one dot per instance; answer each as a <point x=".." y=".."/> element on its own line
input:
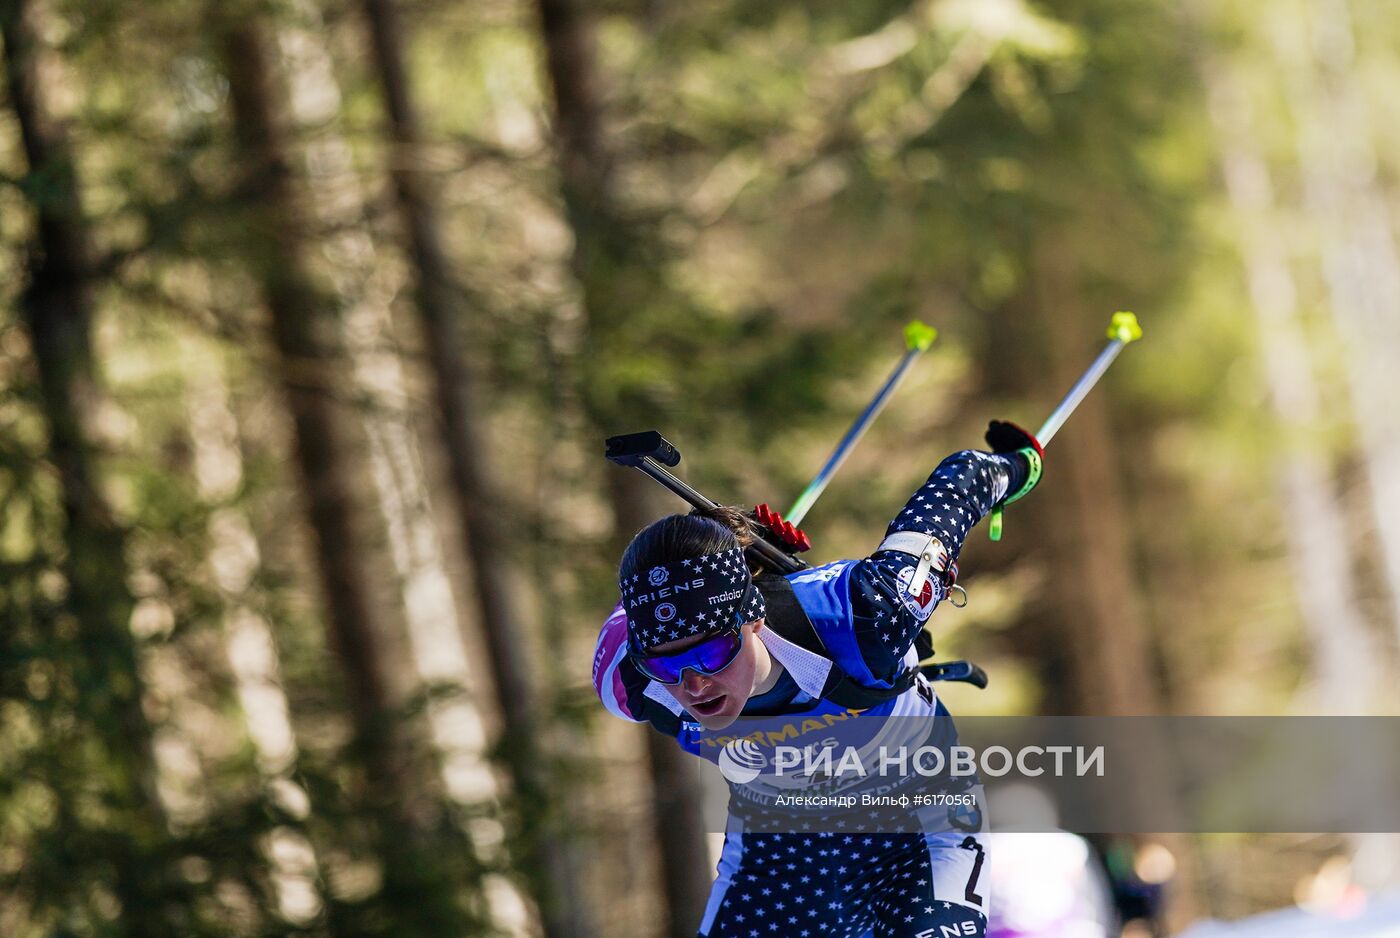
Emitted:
<point x="710" y="707"/>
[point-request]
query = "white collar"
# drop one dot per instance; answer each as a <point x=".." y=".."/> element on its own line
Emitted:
<point x="808" y="669"/>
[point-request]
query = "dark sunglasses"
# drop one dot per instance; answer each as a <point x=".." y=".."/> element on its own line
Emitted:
<point x="709" y="657"/>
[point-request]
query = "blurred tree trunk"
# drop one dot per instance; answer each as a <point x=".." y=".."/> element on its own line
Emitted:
<point x="443" y="312"/>
<point x="1347" y="200"/>
<point x="305" y="327"/>
<point x="603" y="253"/>
<point x="57" y="308"/>
<point x="363" y="293"/>
<point x="1343" y="654"/>
<point x="1110" y="666"/>
<point x="412" y="589"/>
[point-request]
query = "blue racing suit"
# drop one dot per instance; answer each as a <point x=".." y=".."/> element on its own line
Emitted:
<point x="843" y="884"/>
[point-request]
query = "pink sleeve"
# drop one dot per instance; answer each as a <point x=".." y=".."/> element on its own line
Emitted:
<point x="607" y="661"/>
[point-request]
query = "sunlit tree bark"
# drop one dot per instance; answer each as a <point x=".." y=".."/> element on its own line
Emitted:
<point x="1343" y="653"/>
<point x="234" y="561"/>
<point x="443" y="312"/>
<point x="1345" y="197"/>
<point x="1348" y="203"/>
<point x="363" y="292"/>
<point x="305" y="326"/>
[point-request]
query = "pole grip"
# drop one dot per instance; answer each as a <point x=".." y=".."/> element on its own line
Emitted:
<point x="1124" y="327"/>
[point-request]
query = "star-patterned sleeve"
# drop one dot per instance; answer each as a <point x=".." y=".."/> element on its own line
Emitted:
<point x="963" y="489"/>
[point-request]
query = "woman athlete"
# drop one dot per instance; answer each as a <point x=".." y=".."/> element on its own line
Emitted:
<point x="702" y="638"/>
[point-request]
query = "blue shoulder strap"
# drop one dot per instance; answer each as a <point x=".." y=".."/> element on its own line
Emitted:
<point x="811" y="609"/>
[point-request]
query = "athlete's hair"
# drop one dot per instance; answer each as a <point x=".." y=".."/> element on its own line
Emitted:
<point x="678" y="537"/>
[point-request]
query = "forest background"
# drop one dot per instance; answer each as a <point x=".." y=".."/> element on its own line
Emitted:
<point x="314" y="315"/>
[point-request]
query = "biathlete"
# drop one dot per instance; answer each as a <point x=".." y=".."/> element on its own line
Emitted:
<point x="704" y="637"/>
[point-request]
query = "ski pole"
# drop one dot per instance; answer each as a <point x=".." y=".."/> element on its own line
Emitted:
<point x="917" y="339"/>
<point x="1123" y="329"/>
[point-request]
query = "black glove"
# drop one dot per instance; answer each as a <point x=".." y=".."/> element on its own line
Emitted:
<point x="1007" y="439"/>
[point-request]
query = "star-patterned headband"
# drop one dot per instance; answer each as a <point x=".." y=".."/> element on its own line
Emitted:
<point x="695" y="596"/>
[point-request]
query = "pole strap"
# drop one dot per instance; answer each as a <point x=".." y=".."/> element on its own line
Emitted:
<point x="1036" y="467"/>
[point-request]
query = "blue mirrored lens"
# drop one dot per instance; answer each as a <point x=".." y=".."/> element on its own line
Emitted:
<point x="717" y="653"/>
<point x="709" y="657"/>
